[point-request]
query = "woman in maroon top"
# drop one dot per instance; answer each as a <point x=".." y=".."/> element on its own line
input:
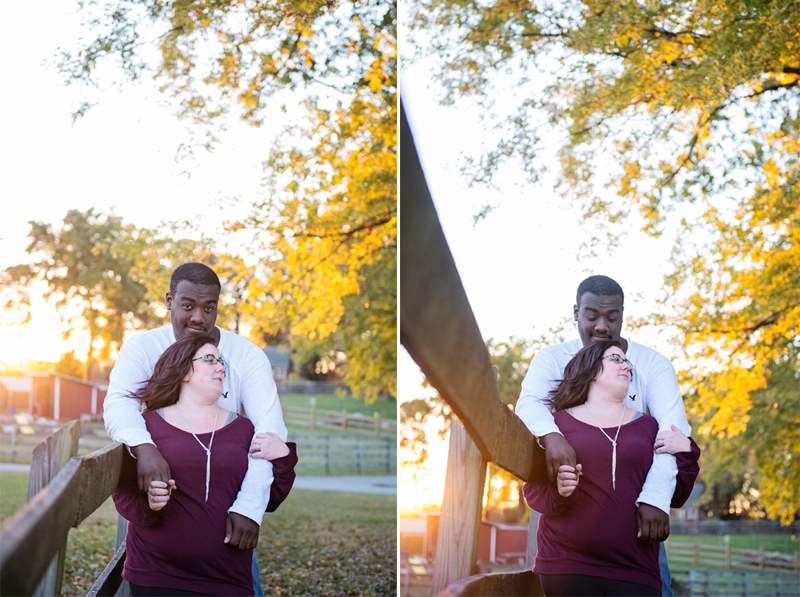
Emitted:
<point x="587" y="535"/>
<point x="176" y="542"/>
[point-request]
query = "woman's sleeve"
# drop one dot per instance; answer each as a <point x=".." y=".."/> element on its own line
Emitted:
<point x="542" y="496"/>
<point x="688" y="469"/>
<point x="129" y="501"/>
<point x="284" y="475"/>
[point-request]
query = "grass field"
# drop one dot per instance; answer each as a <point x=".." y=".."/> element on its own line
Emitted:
<point x="782" y="543"/>
<point x="321" y="543"/>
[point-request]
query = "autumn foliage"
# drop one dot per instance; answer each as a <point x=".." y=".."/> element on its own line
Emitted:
<point x="684" y="117"/>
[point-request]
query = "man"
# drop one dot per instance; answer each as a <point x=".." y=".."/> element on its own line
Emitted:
<point x="653" y="390"/>
<point x="248" y="388"/>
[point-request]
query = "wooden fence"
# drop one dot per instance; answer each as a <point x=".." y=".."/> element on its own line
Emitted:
<point x="735" y="584"/>
<point x="727" y="557"/>
<point x="325" y="451"/>
<point x="63" y="491"/>
<point x="17" y="441"/>
<point x="316" y="418"/>
<point x="438" y="329"/>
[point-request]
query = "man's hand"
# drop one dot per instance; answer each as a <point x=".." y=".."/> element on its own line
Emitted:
<point x="653" y="524"/>
<point x="150" y="466"/>
<point x="558" y="453"/>
<point x="240" y="531"/>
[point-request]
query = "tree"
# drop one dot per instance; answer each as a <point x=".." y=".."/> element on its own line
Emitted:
<point x="79" y="274"/>
<point x="688" y="111"/>
<point x="106" y="277"/>
<point x="331" y="218"/>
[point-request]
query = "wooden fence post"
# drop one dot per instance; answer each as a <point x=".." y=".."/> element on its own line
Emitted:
<point x="389" y="457"/>
<point x="313" y="409"/>
<point x="460" y="521"/>
<point x="14" y="443"/>
<point x="328" y="456"/>
<point x="696" y="554"/>
<point x="377" y="419"/>
<point x="344" y="420"/>
<point x="727" y="545"/>
<point x="360" y="454"/>
<point x="48" y="458"/>
<point x="533" y="526"/>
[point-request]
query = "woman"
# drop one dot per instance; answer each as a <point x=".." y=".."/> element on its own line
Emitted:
<point x="176" y="543"/>
<point x="587" y="535"/>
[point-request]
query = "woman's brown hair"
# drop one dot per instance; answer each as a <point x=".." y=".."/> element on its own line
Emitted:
<point x="582" y="369"/>
<point x="164" y="386"/>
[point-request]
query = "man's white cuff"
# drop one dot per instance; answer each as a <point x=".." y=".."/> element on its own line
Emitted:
<point x="654" y="499"/>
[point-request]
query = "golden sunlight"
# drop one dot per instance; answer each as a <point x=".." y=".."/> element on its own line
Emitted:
<point x="38" y="340"/>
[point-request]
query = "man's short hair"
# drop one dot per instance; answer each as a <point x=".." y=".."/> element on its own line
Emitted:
<point x="194" y="272"/>
<point x="601" y="286"/>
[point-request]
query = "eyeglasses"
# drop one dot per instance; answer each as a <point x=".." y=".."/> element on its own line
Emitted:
<point x="211" y="359"/>
<point x="619" y="360"/>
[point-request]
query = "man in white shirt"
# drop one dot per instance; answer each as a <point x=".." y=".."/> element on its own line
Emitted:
<point x="248" y="388"/>
<point x="654" y="390"/>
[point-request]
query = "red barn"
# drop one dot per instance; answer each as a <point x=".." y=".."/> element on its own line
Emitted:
<point x="55" y="395"/>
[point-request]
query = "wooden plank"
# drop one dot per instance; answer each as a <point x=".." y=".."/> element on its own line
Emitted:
<point x="51" y="455"/>
<point x="460" y="520"/>
<point x="32" y="537"/>
<point x="111" y="578"/>
<point x="48" y="458"/>
<point x="438" y="328"/>
<point x="520" y="584"/>
<point x="99" y="478"/>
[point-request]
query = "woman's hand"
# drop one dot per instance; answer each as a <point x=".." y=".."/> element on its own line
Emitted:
<point x="158" y="494"/>
<point x="268" y="446"/>
<point x="567" y="479"/>
<point x="672" y="442"/>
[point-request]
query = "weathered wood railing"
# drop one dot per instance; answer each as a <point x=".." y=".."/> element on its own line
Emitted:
<point x="439" y="331"/>
<point x="63" y="491"/>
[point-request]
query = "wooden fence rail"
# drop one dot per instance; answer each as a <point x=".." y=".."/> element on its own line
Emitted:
<point x="728" y="557"/>
<point x="21" y="440"/>
<point x="439" y="331"/>
<point x="63" y="491"/>
<point x="325" y="451"/>
<point x="735" y="584"/>
<point x="335" y="419"/>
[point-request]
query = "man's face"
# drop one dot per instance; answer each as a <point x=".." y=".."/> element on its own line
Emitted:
<point x="193" y="308"/>
<point x="599" y="317"/>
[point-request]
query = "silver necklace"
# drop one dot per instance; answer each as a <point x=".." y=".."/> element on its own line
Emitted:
<point x="208" y="449"/>
<point x="613" y="443"/>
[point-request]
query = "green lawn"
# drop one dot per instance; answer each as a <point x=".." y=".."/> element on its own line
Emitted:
<point x="782" y="543"/>
<point x="13" y="493"/>
<point x="320" y="543"/>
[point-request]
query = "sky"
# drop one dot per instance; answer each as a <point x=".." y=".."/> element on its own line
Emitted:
<point x="120" y="157"/>
<point x="520" y="265"/>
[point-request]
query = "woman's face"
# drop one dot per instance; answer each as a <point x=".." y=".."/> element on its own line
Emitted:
<point x="616" y="372"/>
<point x="205" y="376"/>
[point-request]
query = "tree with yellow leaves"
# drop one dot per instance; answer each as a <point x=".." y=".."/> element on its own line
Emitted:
<point x="690" y="112"/>
<point x="327" y="234"/>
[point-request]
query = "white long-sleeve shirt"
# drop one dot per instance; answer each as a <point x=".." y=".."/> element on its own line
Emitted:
<point x="654" y="390"/>
<point x="248" y="389"/>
